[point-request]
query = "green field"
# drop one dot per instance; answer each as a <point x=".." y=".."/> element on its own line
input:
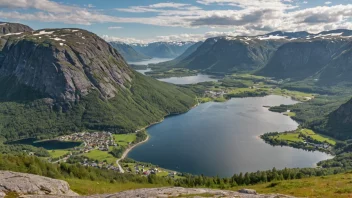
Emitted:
<point x="87" y="187"/>
<point x="124" y="139"/>
<point x="57" y="153"/>
<point x="101" y="156"/>
<point x="294" y="136"/>
<point x="318" y="137"/>
<point x="328" y="186"/>
<point x="290" y="136"/>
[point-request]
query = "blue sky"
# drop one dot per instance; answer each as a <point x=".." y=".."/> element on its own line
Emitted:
<point x="155" y="20"/>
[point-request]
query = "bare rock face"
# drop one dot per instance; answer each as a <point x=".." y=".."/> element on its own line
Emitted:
<point x="187" y="192"/>
<point x="8" y="28"/>
<point x="64" y="64"/>
<point x="28" y="184"/>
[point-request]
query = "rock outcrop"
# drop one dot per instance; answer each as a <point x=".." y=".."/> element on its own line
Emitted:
<point x="64" y="64"/>
<point x="8" y="28"/>
<point x="28" y="184"/>
<point x="187" y="192"/>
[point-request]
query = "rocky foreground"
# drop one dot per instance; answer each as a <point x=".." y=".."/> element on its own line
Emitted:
<point x="28" y="185"/>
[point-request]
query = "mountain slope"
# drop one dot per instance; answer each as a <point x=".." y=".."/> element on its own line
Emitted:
<point x="77" y="81"/>
<point x="325" y="59"/>
<point x="163" y="49"/>
<point x="128" y="53"/>
<point x="339" y="122"/>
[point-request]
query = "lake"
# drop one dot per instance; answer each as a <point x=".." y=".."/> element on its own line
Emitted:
<point x="189" y="79"/>
<point x="48" y="144"/>
<point x="151" y="61"/>
<point x="222" y="139"/>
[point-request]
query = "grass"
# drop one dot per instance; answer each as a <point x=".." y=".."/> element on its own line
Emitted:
<point x="57" y="153"/>
<point x="318" y="137"/>
<point x="124" y="139"/>
<point x="101" y="156"/>
<point x="289" y="136"/>
<point x="87" y="187"/>
<point x="328" y="186"/>
<point x="294" y="136"/>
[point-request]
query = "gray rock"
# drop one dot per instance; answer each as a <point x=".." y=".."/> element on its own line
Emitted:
<point x="180" y="192"/>
<point x="248" y="191"/>
<point x="28" y="184"/>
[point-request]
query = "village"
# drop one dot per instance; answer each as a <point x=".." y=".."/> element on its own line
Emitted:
<point x="103" y="141"/>
<point x="91" y="141"/>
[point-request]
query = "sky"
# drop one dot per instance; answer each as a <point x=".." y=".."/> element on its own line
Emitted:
<point x="144" y="21"/>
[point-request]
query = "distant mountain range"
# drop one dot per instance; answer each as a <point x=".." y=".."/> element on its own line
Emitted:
<point x="163" y="49"/>
<point x="297" y="55"/>
<point x="128" y="52"/>
<point x="139" y="52"/>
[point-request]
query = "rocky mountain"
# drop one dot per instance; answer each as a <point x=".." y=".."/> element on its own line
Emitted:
<point x="10" y="28"/>
<point x="128" y="53"/>
<point x="76" y="80"/>
<point x="163" y="49"/>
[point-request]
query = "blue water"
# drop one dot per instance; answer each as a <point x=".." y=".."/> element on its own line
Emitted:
<point x="189" y="79"/>
<point x="222" y="139"/>
<point x="49" y="144"/>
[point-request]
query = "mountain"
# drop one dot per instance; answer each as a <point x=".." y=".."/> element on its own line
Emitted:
<point x="339" y="122"/>
<point x="174" y="62"/>
<point x="8" y="28"/>
<point x="56" y="81"/>
<point x="327" y="59"/>
<point x="296" y="55"/>
<point x="128" y="53"/>
<point x="163" y="49"/>
<point x="231" y="54"/>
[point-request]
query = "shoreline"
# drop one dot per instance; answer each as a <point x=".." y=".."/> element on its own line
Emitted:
<point x="125" y="153"/>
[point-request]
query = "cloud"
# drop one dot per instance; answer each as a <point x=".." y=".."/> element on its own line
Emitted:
<point x="44" y="5"/>
<point x="236" y="16"/>
<point x="328" y="2"/>
<point x="114" y="27"/>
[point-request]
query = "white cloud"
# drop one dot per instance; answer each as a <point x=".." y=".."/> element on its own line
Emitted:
<point x="328" y="2"/>
<point x="238" y="16"/>
<point x="114" y="27"/>
<point x="44" y="5"/>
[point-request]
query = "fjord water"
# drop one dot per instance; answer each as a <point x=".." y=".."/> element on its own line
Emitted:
<point x="222" y="139"/>
<point x="189" y="79"/>
<point x="151" y="61"/>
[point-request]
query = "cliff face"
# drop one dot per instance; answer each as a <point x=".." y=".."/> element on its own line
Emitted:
<point x="64" y="64"/>
<point x="7" y="28"/>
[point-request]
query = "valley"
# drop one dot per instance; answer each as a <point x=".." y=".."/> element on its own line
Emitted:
<point x="229" y="112"/>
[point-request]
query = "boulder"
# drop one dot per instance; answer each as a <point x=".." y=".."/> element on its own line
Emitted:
<point x="28" y="184"/>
